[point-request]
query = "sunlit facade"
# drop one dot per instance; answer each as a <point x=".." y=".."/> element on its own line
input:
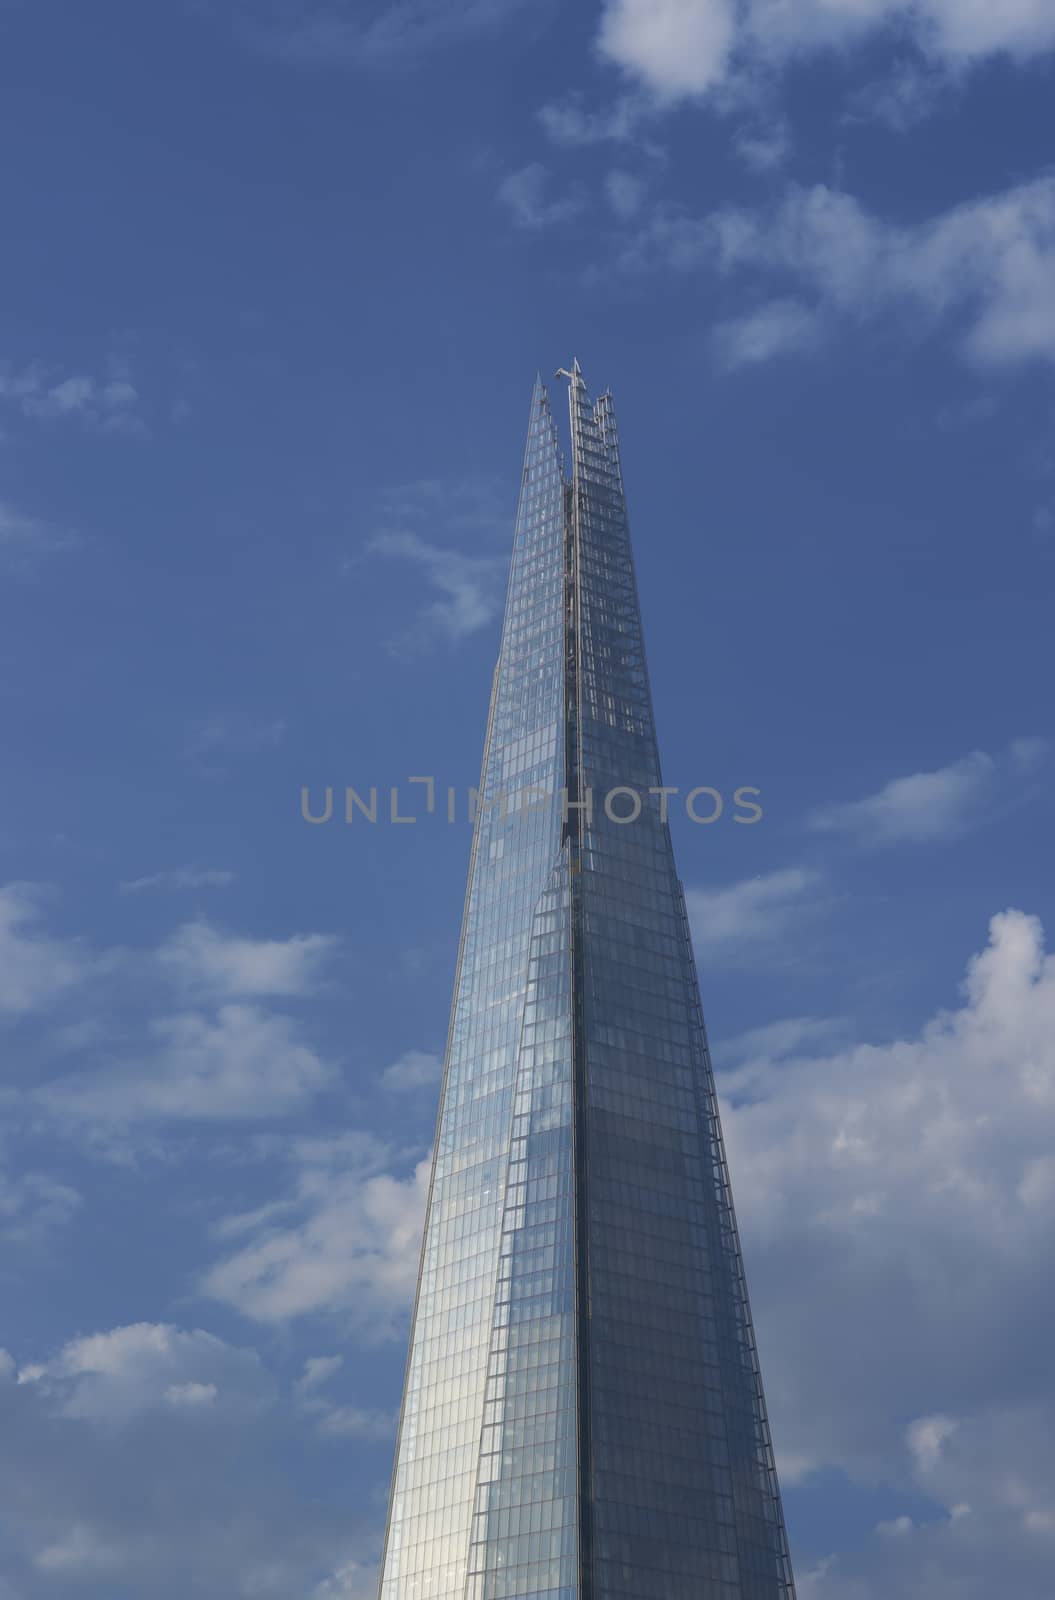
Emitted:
<point x="583" y="1415"/>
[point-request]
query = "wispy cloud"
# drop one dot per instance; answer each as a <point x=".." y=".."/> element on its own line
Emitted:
<point x="179" y="878"/>
<point x="107" y="404"/>
<point x="243" y="1063"/>
<point x="213" y="741"/>
<point x="32" y="1205"/>
<point x="527" y="195"/>
<point x="212" y="1045"/>
<point x="475" y="503"/>
<point x="987" y="265"/>
<point x="346" y="1239"/>
<point x="35" y="969"/>
<point x="774" y="329"/>
<point x="908" y="95"/>
<point x="112" y="1378"/>
<point x="927" y="807"/>
<point x="752" y="914"/>
<point x="568" y="123"/>
<point x="764" y="147"/>
<point x="203" y="958"/>
<point x="414" y="1070"/>
<point x="371" y="33"/>
<point x="352" y="1581"/>
<point x="26" y="541"/>
<point x="466" y="587"/>
<point x="625" y="193"/>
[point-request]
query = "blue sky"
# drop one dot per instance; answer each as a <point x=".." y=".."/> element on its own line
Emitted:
<point x="276" y="280"/>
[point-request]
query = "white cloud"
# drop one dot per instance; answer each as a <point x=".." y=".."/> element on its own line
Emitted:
<point x="774" y="329"/>
<point x="350" y="1582"/>
<point x="242" y="1063"/>
<point x="930" y="806"/>
<point x="217" y="738"/>
<point x="82" y="1552"/>
<point x="526" y="195"/>
<point x="467" y="589"/>
<point x="926" y="1437"/>
<point x="569" y="124"/>
<point x="988" y="264"/>
<point x="682" y="49"/>
<point x="25" y="541"/>
<point x="32" y="1204"/>
<point x="415" y="1070"/>
<point x="317" y="1371"/>
<point x="346" y="1240"/>
<point x="181" y="878"/>
<point x="473" y="502"/>
<point x="113" y="1377"/>
<point x="898" y="1227"/>
<point x="353" y="1422"/>
<point x="755" y="911"/>
<point x="764" y="148"/>
<point x="35" y="970"/>
<point x="108" y="404"/>
<point x="675" y="47"/>
<point x="905" y="97"/>
<point x="203" y="958"/>
<point x="155" y="1461"/>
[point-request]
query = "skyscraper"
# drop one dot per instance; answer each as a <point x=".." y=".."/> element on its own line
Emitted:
<point x="583" y="1415"/>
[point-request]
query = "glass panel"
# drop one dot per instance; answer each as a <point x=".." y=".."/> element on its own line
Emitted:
<point x="583" y="1415"/>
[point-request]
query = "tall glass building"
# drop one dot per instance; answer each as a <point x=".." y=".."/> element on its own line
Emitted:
<point x="583" y="1416"/>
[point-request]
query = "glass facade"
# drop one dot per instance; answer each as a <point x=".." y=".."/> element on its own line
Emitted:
<point x="583" y="1416"/>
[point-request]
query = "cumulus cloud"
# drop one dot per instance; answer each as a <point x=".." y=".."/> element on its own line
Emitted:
<point x="677" y="48"/>
<point x="896" y="1203"/>
<point x="202" y="957"/>
<point x="927" y="807"/>
<point x="345" y="1239"/>
<point x="987" y="266"/>
<point x="241" y="1063"/>
<point x="154" y="1460"/>
<point x="680" y="49"/>
<point x="113" y="1377"/>
<point x="215" y="1051"/>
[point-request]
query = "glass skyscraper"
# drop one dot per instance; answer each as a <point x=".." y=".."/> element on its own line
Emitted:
<point x="583" y="1415"/>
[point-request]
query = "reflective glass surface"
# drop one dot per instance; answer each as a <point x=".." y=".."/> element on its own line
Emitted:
<point x="583" y="1415"/>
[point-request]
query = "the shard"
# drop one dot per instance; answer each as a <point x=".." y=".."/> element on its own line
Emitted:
<point x="583" y="1416"/>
